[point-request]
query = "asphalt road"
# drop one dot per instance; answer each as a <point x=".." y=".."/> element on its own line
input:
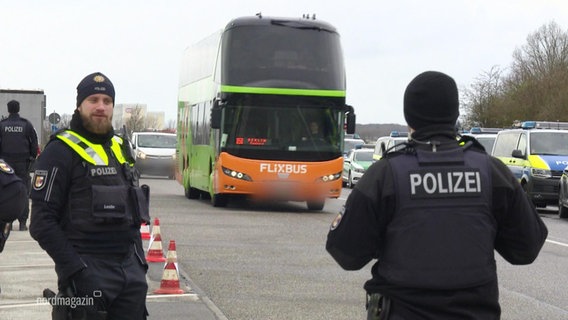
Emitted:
<point x="268" y="261"/>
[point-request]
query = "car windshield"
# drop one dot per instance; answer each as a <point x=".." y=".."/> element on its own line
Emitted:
<point x="363" y="156"/>
<point x="486" y="142"/>
<point x="157" y="141"/>
<point x="349" y="144"/>
<point x="549" y="143"/>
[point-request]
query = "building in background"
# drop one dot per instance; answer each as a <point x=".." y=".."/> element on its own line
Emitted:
<point x="32" y="107"/>
<point x="124" y="112"/>
<point x="137" y="117"/>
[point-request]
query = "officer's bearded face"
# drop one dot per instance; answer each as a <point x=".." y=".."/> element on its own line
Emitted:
<point x="96" y="113"/>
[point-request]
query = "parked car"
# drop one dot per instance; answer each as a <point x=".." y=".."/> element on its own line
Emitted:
<point x="388" y="143"/>
<point x="485" y="136"/>
<point x="352" y="143"/>
<point x="356" y="162"/>
<point x="155" y="153"/>
<point x="563" y="195"/>
<point x="537" y="156"/>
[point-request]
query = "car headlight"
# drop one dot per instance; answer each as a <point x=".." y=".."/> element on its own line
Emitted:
<point x="541" y="173"/>
<point x="358" y="168"/>
<point x="329" y="177"/>
<point x="236" y="174"/>
<point x="141" y="155"/>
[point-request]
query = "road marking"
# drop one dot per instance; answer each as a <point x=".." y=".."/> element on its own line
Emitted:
<point x="23" y="305"/>
<point x="161" y="296"/>
<point x="558" y="243"/>
<point x="27" y="266"/>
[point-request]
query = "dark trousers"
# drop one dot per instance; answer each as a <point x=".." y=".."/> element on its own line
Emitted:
<point x="21" y="168"/>
<point x="113" y="285"/>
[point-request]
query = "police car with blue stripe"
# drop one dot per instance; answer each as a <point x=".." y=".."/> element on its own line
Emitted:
<point x="537" y="153"/>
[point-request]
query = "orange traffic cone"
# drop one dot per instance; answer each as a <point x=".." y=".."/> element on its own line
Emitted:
<point x="155" y="252"/>
<point x="170" y="277"/>
<point x="145" y="231"/>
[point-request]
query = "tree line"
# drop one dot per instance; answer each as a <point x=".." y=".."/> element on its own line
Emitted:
<point x="533" y="87"/>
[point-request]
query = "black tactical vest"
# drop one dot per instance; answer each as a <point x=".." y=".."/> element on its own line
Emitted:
<point x="15" y="145"/>
<point x="103" y="200"/>
<point x="442" y="233"/>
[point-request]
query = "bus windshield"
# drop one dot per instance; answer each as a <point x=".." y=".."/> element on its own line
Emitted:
<point x="288" y="133"/>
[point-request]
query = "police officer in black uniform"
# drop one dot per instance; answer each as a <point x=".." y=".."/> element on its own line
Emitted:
<point x="87" y="210"/>
<point x="432" y="215"/>
<point x="18" y="147"/>
<point x="13" y="199"/>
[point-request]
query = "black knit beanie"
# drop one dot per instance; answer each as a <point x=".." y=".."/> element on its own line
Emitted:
<point x="93" y="84"/>
<point x="431" y="98"/>
<point x="13" y="106"/>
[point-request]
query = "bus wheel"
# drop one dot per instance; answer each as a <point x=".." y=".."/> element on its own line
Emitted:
<point x="192" y="193"/>
<point x="316" y="205"/>
<point x="219" y="200"/>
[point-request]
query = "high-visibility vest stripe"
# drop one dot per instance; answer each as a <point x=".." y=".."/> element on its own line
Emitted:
<point x="90" y="152"/>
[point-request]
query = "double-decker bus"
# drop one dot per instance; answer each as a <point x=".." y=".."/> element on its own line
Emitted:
<point x="262" y="112"/>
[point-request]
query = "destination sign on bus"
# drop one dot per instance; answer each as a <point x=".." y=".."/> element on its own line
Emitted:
<point x="251" y="141"/>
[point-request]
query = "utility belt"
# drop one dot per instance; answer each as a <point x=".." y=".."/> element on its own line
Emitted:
<point x="378" y="306"/>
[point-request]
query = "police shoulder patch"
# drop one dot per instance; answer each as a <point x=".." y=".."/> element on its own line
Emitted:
<point x="337" y="220"/>
<point x="40" y="177"/>
<point x="5" y="167"/>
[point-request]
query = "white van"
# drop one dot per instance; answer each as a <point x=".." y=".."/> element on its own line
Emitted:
<point x="155" y="153"/>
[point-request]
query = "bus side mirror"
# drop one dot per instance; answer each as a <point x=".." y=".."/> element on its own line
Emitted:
<point x="216" y="115"/>
<point x="350" y="123"/>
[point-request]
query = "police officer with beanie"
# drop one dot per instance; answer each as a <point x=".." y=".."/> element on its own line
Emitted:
<point x="432" y="215"/>
<point x="18" y="147"/>
<point x="87" y="210"/>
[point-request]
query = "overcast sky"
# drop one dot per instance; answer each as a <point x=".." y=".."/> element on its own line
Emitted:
<point x="52" y="45"/>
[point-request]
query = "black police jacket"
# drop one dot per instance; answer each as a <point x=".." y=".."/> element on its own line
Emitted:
<point x="362" y="233"/>
<point x="78" y="208"/>
<point x="13" y="194"/>
<point x="18" y="139"/>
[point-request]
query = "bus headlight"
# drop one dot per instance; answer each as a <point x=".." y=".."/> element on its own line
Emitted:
<point x="541" y="173"/>
<point x="236" y="174"/>
<point x="329" y="177"/>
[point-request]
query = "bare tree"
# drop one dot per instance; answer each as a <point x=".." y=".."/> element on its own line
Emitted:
<point x="152" y="122"/>
<point x="480" y="100"/>
<point x="535" y="89"/>
<point x="545" y="52"/>
<point x="172" y="125"/>
<point x="538" y="82"/>
<point x="136" y="120"/>
<point x="65" y="120"/>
